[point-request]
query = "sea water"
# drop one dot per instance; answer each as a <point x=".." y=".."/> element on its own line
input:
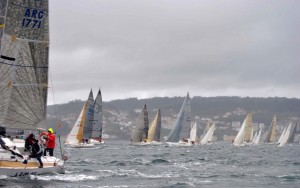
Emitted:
<point x="119" y="164"/>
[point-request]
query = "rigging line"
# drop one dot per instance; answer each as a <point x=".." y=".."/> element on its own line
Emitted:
<point x="24" y="66"/>
<point x="54" y="104"/>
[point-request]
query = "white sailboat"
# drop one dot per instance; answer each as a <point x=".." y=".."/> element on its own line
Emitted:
<point x="244" y="132"/>
<point x="140" y="131"/>
<point x="82" y="129"/>
<point x="208" y="137"/>
<point x="24" y="32"/>
<point x="257" y="137"/>
<point x="180" y="131"/>
<point x="97" y="121"/>
<point x="286" y="136"/>
<point x="281" y="136"/>
<point x="154" y="130"/>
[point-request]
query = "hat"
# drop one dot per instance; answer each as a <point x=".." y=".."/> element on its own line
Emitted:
<point x="50" y="130"/>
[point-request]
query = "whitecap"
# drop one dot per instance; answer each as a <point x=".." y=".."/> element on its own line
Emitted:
<point x="71" y="178"/>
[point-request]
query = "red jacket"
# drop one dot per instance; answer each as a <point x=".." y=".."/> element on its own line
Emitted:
<point x="50" y="143"/>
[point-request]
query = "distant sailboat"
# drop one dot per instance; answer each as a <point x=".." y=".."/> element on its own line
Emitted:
<point x="286" y="136"/>
<point x="271" y="136"/>
<point x="257" y="137"/>
<point x="82" y="129"/>
<point x="154" y="130"/>
<point x="97" y="120"/>
<point x="140" y="131"/>
<point x="182" y="124"/>
<point x="208" y="137"/>
<point x="240" y="139"/>
<point x="282" y="134"/>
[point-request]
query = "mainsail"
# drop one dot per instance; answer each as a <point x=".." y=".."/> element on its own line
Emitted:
<point x="140" y="132"/>
<point x="182" y="118"/>
<point x="209" y="135"/>
<point x="24" y="32"/>
<point x="193" y="133"/>
<point x="88" y="120"/>
<point x="240" y="137"/>
<point x="154" y="130"/>
<point x="248" y="129"/>
<point x="98" y="117"/>
<point x="271" y="136"/>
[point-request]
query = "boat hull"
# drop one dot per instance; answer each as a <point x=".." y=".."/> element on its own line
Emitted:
<point x="19" y="172"/>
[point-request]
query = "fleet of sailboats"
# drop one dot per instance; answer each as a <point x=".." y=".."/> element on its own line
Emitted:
<point x="87" y="131"/>
<point x="24" y="82"/>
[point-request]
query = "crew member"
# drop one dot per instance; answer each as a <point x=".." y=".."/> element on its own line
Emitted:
<point x="50" y="141"/>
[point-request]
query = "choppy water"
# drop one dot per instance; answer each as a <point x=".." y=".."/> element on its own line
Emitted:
<point x="119" y="164"/>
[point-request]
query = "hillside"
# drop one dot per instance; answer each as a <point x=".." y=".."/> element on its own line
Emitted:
<point x="121" y="115"/>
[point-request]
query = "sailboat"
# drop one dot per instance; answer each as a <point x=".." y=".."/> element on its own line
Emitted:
<point x="285" y="137"/>
<point x="257" y="137"/>
<point x="208" y="137"/>
<point x="97" y="121"/>
<point x="82" y="129"/>
<point x="181" y="128"/>
<point x="244" y="135"/>
<point x="154" y="130"/>
<point x="24" y="32"/>
<point x="271" y="136"/>
<point x="140" y="131"/>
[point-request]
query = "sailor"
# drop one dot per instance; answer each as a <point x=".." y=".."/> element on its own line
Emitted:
<point x="28" y="142"/>
<point x="50" y="141"/>
<point x="37" y="152"/>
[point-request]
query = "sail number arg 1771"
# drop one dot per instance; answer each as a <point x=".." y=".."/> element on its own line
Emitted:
<point x="32" y="18"/>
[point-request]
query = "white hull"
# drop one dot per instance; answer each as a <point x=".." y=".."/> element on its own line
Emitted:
<point x="96" y="142"/>
<point x="140" y="143"/>
<point x="23" y="171"/>
<point x="81" y="145"/>
<point x="180" y="143"/>
<point x="12" y="165"/>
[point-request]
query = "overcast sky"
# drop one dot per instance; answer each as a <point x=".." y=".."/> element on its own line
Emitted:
<point x="149" y="48"/>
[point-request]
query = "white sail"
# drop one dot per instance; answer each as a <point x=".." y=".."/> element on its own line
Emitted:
<point x="285" y="136"/>
<point x="193" y="133"/>
<point x="209" y="135"/>
<point x="239" y="139"/>
<point x="257" y="138"/>
<point x="282" y="134"/>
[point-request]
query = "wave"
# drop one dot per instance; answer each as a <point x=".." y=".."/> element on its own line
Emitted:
<point x="68" y="178"/>
<point x="159" y="161"/>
